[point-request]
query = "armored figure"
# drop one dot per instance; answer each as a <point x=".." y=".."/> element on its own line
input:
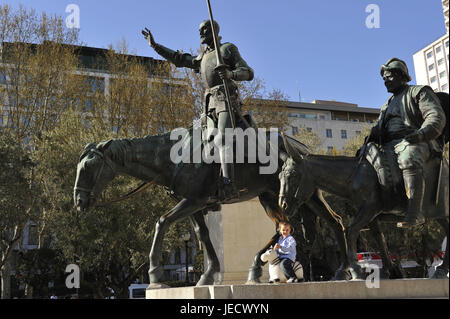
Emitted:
<point x="409" y="125"/>
<point x="214" y="102"/>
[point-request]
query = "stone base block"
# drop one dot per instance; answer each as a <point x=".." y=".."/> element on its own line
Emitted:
<point x="357" y="289"/>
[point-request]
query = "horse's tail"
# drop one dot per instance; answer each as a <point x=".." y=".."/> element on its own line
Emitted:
<point x="276" y="215"/>
<point x="335" y="215"/>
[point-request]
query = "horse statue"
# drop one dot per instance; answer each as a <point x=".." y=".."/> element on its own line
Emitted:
<point x="195" y="186"/>
<point x="276" y="274"/>
<point x="356" y="180"/>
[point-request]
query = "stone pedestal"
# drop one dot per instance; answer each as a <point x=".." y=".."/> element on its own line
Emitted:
<point x="238" y="232"/>
<point x="356" y="289"/>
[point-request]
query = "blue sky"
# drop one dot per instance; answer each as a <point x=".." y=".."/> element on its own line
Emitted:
<point x="321" y="48"/>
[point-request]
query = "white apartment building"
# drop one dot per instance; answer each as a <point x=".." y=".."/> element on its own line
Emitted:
<point x="431" y="62"/>
<point x="431" y="65"/>
<point x="445" y="11"/>
<point x="334" y="122"/>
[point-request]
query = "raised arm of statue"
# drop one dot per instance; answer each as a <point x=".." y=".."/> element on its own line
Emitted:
<point x="176" y="57"/>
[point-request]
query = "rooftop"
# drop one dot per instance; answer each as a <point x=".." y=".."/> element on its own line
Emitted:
<point x="332" y="106"/>
<point x="90" y="57"/>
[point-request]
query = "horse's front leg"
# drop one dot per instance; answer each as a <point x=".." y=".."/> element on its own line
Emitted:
<point x="366" y="214"/>
<point x="213" y="264"/>
<point x="184" y="208"/>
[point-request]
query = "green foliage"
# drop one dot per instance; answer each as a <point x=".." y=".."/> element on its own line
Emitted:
<point x="110" y="244"/>
<point x="38" y="267"/>
<point x="310" y="139"/>
<point x="15" y="166"/>
<point x="199" y="262"/>
<point x="356" y="142"/>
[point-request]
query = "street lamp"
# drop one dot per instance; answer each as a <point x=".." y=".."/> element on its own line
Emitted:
<point x="186" y="238"/>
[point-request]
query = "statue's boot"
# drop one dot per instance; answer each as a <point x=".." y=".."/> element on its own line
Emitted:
<point x="415" y="189"/>
<point x="227" y="189"/>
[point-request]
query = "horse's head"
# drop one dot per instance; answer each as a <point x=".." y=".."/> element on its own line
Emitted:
<point x="94" y="171"/>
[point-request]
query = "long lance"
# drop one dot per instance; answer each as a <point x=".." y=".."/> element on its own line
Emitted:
<point x="221" y="64"/>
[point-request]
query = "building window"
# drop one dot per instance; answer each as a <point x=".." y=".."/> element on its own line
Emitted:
<point x="311" y="116"/>
<point x="330" y="149"/>
<point x="329" y="133"/>
<point x="294" y="130"/>
<point x="433" y="79"/>
<point x="441" y="61"/>
<point x="444" y="87"/>
<point x="322" y="117"/>
<point x="442" y="74"/>
<point x="309" y="129"/>
<point x="431" y="67"/>
<point x="358" y="132"/>
<point x="429" y="55"/>
<point x="446" y="44"/>
<point x="438" y="49"/>
<point x="344" y="134"/>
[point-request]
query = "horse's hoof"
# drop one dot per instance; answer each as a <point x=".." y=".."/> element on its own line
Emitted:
<point x="205" y="281"/>
<point x="253" y="282"/>
<point x="342" y="275"/>
<point x="155" y="274"/>
<point x="356" y="272"/>
<point x="440" y="274"/>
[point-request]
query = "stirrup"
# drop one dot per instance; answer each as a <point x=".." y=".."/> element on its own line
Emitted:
<point x="227" y="190"/>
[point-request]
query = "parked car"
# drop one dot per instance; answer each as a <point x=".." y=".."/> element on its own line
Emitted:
<point x="370" y="258"/>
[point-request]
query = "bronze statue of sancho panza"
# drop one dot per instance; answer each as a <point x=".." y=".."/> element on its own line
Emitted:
<point x="408" y="127"/>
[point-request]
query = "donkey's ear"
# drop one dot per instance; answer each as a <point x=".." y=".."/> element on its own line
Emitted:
<point x="102" y="146"/>
<point x="284" y="156"/>
<point x="87" y="148"/>
<point x="291" y="150"/>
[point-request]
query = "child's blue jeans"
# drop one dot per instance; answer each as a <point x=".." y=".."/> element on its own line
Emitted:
<point x="286" y="266"/>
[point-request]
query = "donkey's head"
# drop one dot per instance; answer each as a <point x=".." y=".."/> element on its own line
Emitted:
<point x="94" y="171"/>
<point x="294" y="187"/>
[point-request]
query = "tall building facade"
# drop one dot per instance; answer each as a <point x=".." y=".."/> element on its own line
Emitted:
<point x="431" y="63"/>
<point x="445" y="9"/>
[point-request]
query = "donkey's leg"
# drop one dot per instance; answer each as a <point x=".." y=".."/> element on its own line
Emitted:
<point x="198" y="221"/>
<point x="270" y="203"/>
<point x="389" y="269"/>
<point x="184" y="208"/>
<point x="442" y="270"/>
<point x="366" y="214"/>
<point x="321" y="208"/>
